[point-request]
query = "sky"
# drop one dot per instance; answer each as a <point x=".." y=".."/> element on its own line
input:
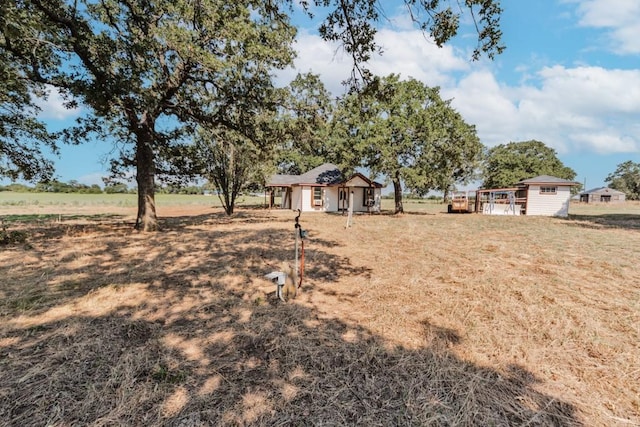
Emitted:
<point x="569" y="77"/>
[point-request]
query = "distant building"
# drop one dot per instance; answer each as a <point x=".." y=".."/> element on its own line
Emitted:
<point x="602" y="195"/>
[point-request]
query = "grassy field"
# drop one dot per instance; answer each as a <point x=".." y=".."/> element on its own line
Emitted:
<point x="8" y="199"/>
<point x="421" y="319"/>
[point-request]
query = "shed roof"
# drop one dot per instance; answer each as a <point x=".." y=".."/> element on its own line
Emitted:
<point x="547" y="179"/>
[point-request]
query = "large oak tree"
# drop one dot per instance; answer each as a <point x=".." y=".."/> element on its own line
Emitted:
<point x="240" y="152"/>
<point x="22" y="136"/>
<point x="507" y="164"/>
<point x="406" y="132"/>
<point x="305" y="115"/>
<point x="149" y="71"/>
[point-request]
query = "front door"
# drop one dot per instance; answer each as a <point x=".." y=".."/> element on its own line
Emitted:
<point x="343" y="199"/>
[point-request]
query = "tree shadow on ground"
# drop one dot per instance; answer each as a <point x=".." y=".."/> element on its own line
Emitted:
<point x="230" y="362"/>
<point x="49" y="218"/>
<point x="196" y="250"/>
<point x="622" y="221"/>
<point x="167" y="330"/>
<point x="219" y="217"/>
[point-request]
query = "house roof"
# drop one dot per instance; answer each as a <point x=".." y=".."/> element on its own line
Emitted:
<point x="282" y="180"/>
<point x="602" y="190"/>
<point x="547" y="179"/>
<point x="325" y="174"/>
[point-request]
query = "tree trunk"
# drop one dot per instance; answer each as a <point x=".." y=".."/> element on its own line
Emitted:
<point x="145" y="176"/>
<point x="445" y="196"/>
<point x="397" y="193"/>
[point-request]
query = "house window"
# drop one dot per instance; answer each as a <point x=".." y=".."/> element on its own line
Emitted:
<point x="548" y="190"/>
<point x="368" y="199"/>
<point x="317" y="196"/>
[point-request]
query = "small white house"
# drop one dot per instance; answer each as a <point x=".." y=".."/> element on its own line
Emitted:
<point x="543" y="195"/>
<point x="323" y="189"/>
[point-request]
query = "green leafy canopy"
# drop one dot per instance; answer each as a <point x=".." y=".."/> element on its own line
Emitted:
<point x="507" y="164"/>
<point x="150" y="72"/>
<point x="404" y="130"/>
<point x="626" y="178"/>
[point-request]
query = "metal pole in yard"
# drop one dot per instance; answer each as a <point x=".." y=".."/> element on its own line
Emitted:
<point x="297" y="232"/>
<point x="350" y="215"/>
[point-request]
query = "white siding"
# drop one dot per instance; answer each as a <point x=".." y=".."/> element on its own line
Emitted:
<point x="548" y="204"/>
<point x="301" y="198"/>
<point x="295" y="198"/>
<point x="303" y="201"/>
<point x="358" y="195"/>
<point x="356" y="181"/>
<point x="358" y="200"/>
<point x="330" y="199"/>
<point x="377" y="194"/>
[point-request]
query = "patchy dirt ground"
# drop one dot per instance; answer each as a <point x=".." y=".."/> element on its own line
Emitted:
<point x="419" y="319"/>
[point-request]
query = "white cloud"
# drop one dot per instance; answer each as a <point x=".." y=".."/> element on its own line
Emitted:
<point x="483" y="102"/>
<point x="92" y="178"/>
<point x="407" y="53"/>
<point x="411" y="54"/>
<point x="570" y="109"/>
<point x="621" y="19"/>
<point x="608" y="141"/>
<point x="52" y="107"/>
<point x="590" y="89"/>
<point x="317" y="56"/>
<point x="577" y="109"/>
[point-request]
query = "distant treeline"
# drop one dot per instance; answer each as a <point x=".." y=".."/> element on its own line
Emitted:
<point x="76" y="187"/>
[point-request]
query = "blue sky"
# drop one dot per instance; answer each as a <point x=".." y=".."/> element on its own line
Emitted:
<point x="570" y="77"/>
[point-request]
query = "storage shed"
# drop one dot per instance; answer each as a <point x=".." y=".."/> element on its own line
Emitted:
<point x="548" y="195"/>
<point x="543" y="195"/>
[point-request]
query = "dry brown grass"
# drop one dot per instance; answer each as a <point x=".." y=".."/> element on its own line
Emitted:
<point x="420" y="319"/>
